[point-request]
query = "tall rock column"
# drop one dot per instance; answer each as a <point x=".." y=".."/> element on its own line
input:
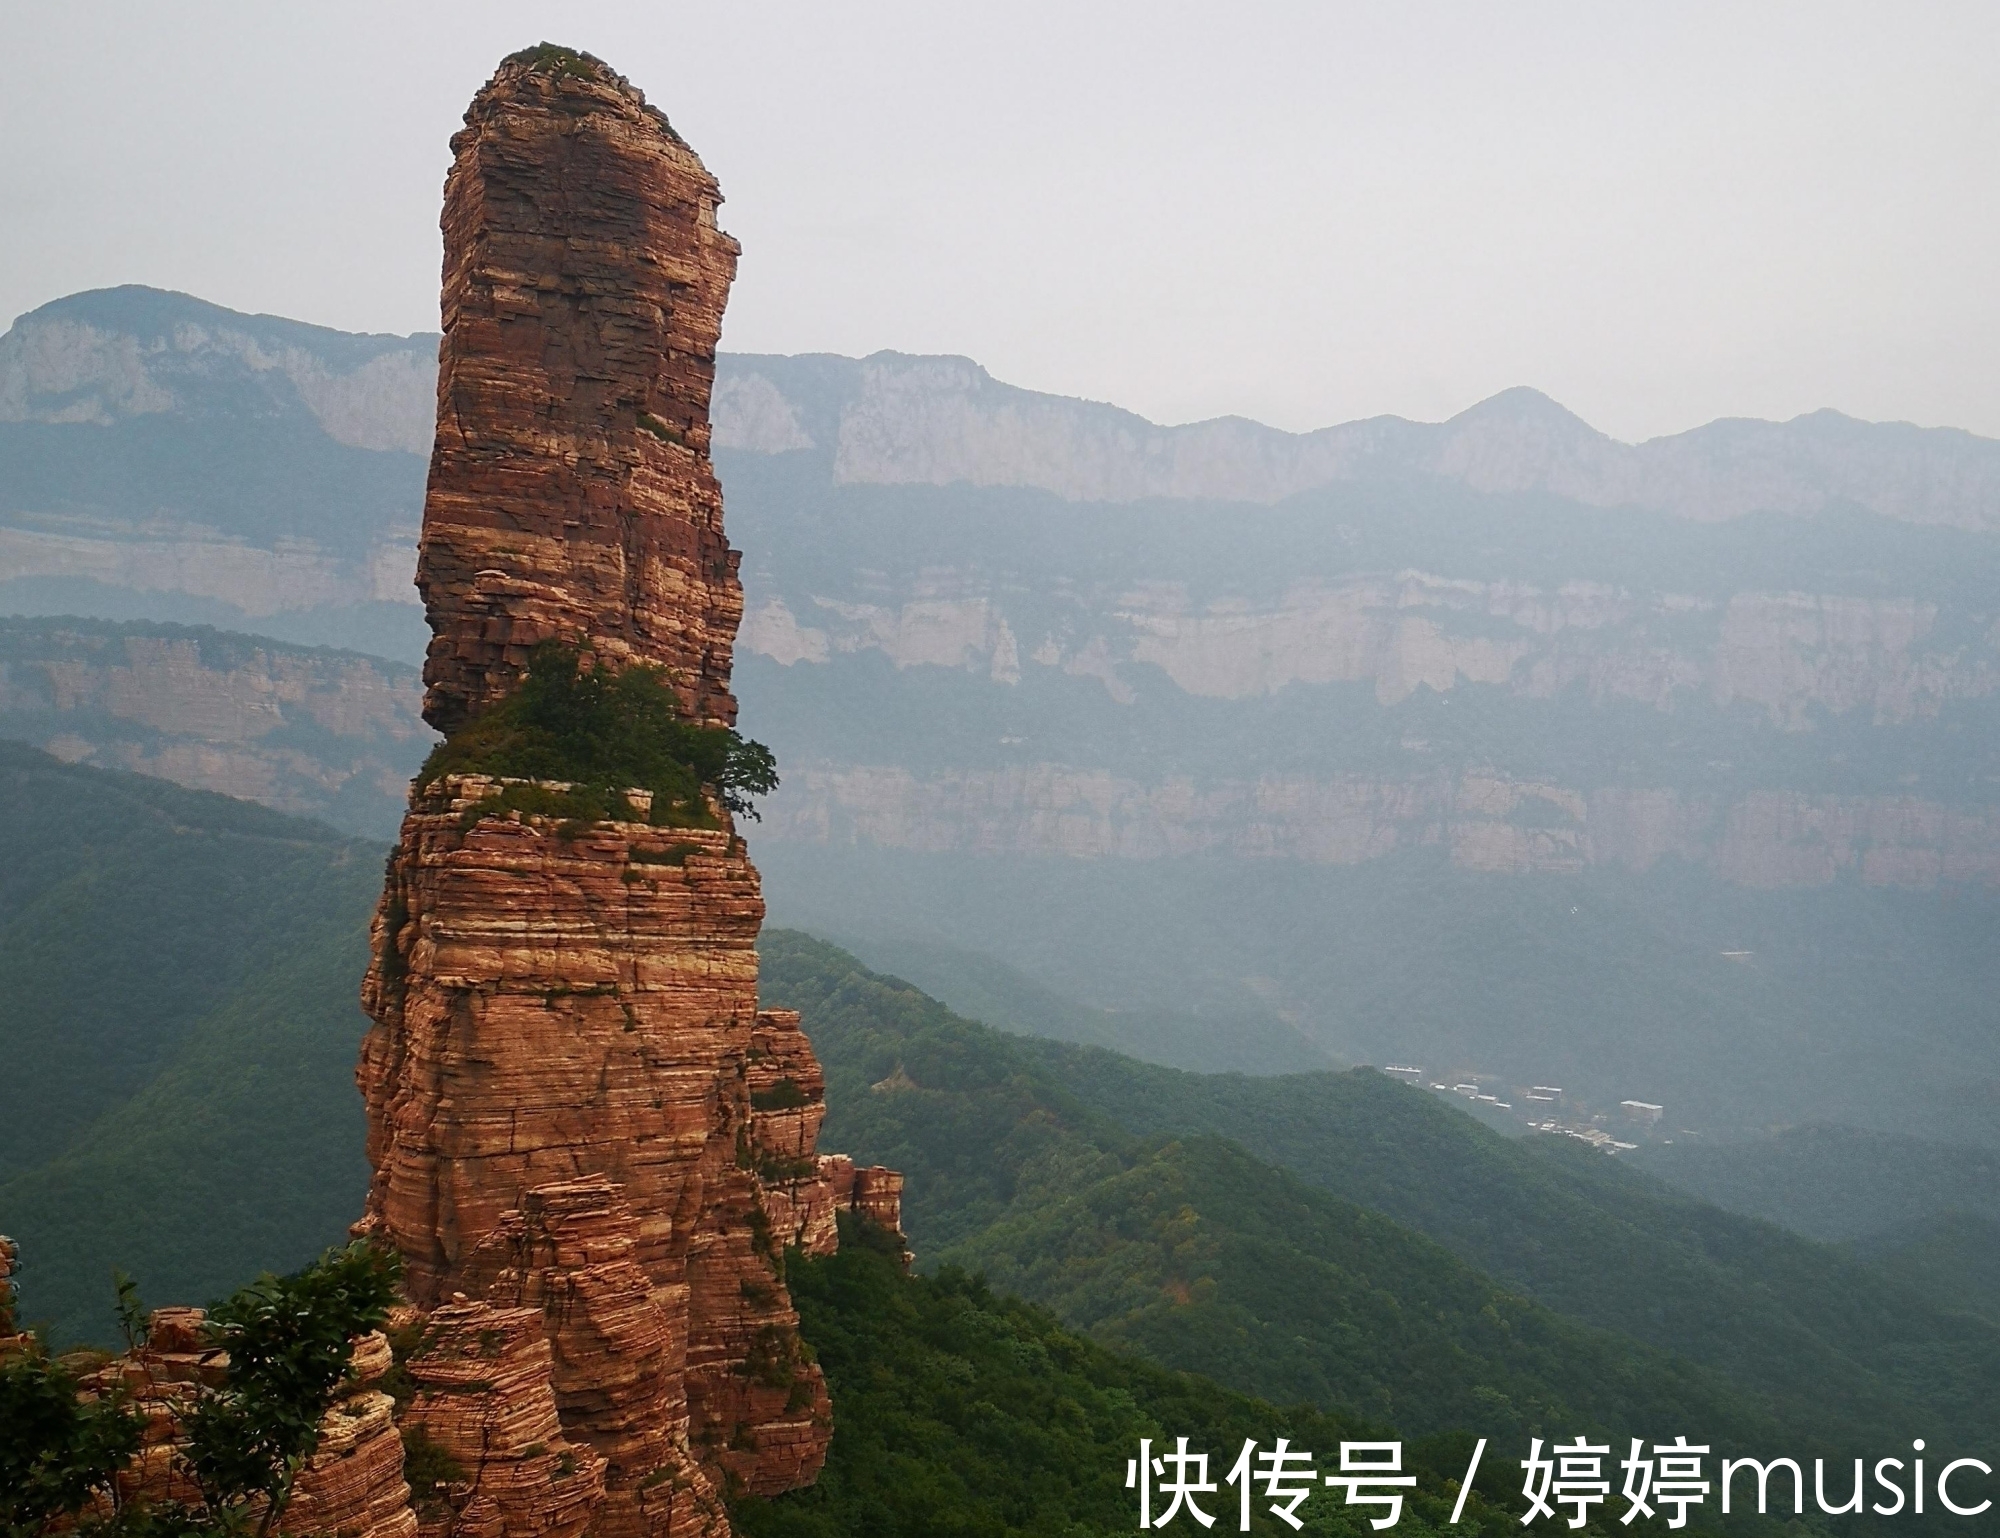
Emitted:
<point x="571" y="495"/>
<point x="565" y="1083"/>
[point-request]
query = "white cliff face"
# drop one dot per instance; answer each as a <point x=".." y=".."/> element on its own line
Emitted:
<point x="934" y="632"/>
<point x="204" y="563"/>
<point x="1484" y="822"/>
<point x="125" y="357"/>
<point x="1759" y="657"/>
<point x="903" y="420"/>
<point x="1782" y="663"/>
<point x="286" y="726"/>
<point x="1785" y="654"/>
<point x="58" y="369"/>
<point x="751" y="414"/>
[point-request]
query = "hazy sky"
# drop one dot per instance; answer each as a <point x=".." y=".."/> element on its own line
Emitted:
<point x="1304" y="213"/>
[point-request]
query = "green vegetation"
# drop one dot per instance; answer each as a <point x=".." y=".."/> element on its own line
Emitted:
<point x="58" y="1450"/>
<point x="1099" y="1186"/>
<point x="1815" y="1339"/>
<point x="1953" y="1258"/>
<point x="980" y="987"/>
<point x="428" y="1468"/>
<point x="1192" y="1252"/>
<point x="288" y="1341"/>
<point x="605" y="731"/>
<point x="553" y="59"/>
<point x="177" y="1008"/>
<point x="966" y="1414"/>
<point x="1610" y="983"/>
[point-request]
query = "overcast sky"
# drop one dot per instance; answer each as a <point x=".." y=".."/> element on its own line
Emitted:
<point x="1659" y="214"/>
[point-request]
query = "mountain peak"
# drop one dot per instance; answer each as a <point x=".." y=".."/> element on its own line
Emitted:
<point x="1523" y="405"/>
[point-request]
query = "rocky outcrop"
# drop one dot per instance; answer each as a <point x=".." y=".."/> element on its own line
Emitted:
<point x="589" y="1146"/>
<point x="485" y="1399"/>
<point x="556" y="1003"/>
<point x="352" y="1484"/>
<point x="571" y="495"/>
<point x="10" y="1257"/>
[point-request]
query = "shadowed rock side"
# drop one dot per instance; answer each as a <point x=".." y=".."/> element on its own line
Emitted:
<point x="571" y="494"/>
<point x="589" y="1147"/>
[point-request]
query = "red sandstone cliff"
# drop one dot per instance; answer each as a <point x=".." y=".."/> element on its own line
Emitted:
<point x="588" y="1145"/>
<point x="571" y="494"/>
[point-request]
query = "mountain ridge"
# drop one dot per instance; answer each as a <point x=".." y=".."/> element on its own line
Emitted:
<point x="960" y="423"/>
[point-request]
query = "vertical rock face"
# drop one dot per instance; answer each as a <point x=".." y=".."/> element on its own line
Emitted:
<point x="571" y="494"/>
<point x="589" y="1146"/>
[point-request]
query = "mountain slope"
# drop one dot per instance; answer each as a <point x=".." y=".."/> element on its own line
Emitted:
<point x="178" y="1028"/>
<point x="165" y="458"/>
<point x="1312" y="697"/>
<point x="964" y="1412"/>
<point x="984" y="988"/>
<point x="1835" y="1182"/>
<point x="1808" y="1332"/>
<point x="893" y="418"/>
<point x="1734" y="1008"/>
<point x="1189" y="1249"/>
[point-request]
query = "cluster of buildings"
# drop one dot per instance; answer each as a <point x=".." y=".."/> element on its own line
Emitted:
<point x="1547" y="1108"/>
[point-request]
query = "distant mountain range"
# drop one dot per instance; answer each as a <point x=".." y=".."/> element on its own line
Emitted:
<point x="892" y="419"/>
<point x="1493" y="746"/>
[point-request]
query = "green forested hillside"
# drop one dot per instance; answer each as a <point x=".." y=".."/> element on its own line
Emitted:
<point x="178" y="1026"/>
<point x="1818" y="1338"/>
<point x="1244" y="1038"/>
<point x="1193" y="1252"/>
<point x="1864" y="1006"/>
<point x="1085" y="1181"/>
<point x="1953" y="1256"/>
<point x="963" y="1412"/>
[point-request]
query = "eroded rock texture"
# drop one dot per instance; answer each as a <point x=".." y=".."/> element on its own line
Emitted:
<point x="589" y="1146"/>
<point x="351" y="1485"/>
<point x="571" y="494"/>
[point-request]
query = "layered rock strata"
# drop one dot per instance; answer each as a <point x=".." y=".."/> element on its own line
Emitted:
<point x="351" y="1485"/>
<point x="571" y="495"/>
<point x="589" y="1146"/>
<point x="10" y="1255"/>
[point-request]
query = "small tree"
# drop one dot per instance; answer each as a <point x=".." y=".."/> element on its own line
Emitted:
<point x="288" y="1338"/>
<point x="58" y="1452"/>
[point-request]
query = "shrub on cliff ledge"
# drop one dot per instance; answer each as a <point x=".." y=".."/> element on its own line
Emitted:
<point x="607" y="731"/>
<point x="289" y="1340"/>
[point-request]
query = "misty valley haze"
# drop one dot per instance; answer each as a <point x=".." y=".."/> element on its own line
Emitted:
<point x="1334" y="747"/>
